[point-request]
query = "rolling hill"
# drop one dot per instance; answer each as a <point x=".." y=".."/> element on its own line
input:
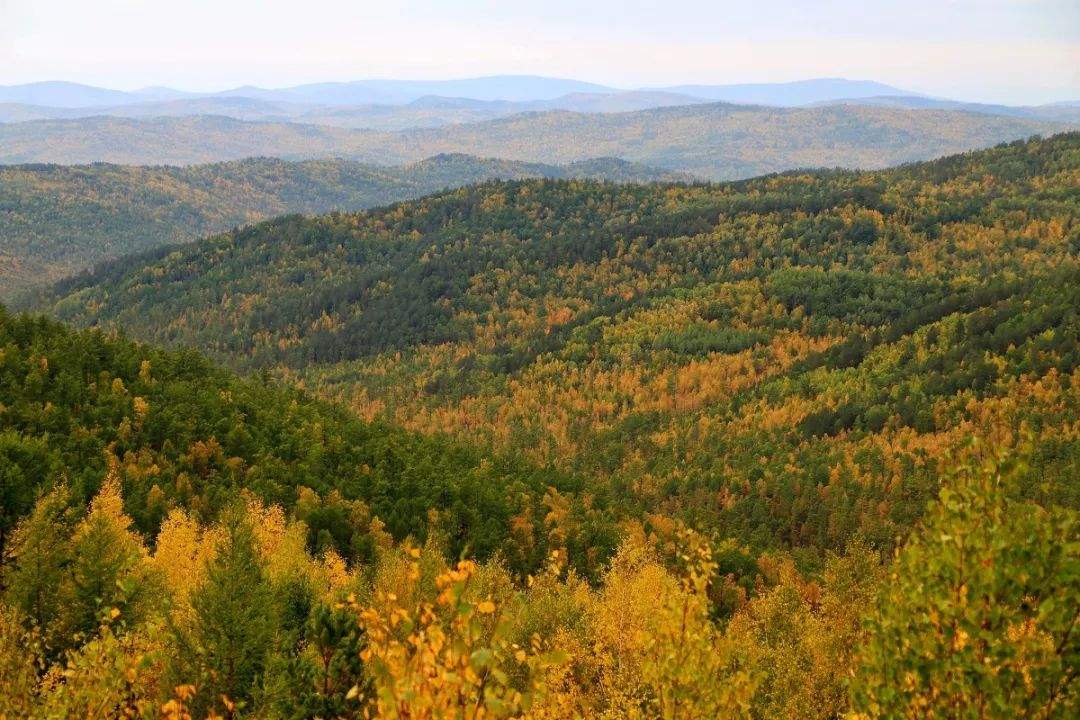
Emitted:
<point x="56" y="220"/>
<point x="724" y="142"/>
<point x="713" y="141"/>
<point x="424" y="112"/>
<point x="788" y="359"/>
<point x="201" y="425"/>
<point x="1061" y="112"/>
<point x="799" y="446"/>
<point x="427" y="111"/>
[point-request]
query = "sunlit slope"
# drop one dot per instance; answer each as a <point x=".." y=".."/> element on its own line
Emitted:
<point x="790" y="356"/>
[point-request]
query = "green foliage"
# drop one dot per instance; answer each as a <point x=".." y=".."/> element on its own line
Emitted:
<point x="22" y="463"/>
<point x="978" y="619"/>
<point x="858" y="297"/>
<point x="787" y="360"/>
<point x="180" y="432"/>
<point x="317" y="675"/>
<point x="234" y="621"/>
<point x="57" y="220"/>
<point x="702" y="339"/>
<point x="35" y="569"/>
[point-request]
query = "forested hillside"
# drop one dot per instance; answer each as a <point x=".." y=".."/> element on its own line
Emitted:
<point x="713" y="141"/>
<point x="56" y="220"/>
<point x="179" y="432"/>
<point x="786" y="359"/>
<point x="802" y="446"/>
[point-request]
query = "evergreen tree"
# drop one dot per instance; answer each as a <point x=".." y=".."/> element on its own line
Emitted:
<point x="109" y="575"/>
<point x="24" y="462"/>
<point x="316" y="675"/>
<point x="234" y="620"/>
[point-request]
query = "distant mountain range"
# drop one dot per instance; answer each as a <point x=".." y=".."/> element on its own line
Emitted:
<point x="391" y="105"/>
<point x="437" y="110"/>
<point x="790" y="94"/>
<point x="65" y="95"/>
<point x="56" y="220"/>
<point x="506" y="88"/>
<point x="426" y="111"/>
<point x="714" y="141"/>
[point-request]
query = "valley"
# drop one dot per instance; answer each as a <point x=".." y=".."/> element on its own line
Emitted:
<point x="660" y="338"/>
<point x="523" y="397"/>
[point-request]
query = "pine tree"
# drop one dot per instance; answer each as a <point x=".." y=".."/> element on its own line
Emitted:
<point x="315" y="675"/>
<point x="24" y="462"/>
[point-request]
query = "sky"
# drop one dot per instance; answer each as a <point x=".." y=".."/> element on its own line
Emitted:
<point x="1012" y="51"/>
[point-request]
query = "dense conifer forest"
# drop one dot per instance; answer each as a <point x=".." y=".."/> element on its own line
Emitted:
<point x="806" y="445"/>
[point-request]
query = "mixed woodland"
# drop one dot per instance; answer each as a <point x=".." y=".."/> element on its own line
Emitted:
<point x="56" y="220"/>
<point x="806" y="445"/>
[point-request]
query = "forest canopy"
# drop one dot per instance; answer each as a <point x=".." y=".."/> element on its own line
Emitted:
<point x="57" y="220"/>
<point x="806" y="445"/>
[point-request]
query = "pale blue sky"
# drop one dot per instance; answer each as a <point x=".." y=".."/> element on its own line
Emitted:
<point x="989" y="50"/>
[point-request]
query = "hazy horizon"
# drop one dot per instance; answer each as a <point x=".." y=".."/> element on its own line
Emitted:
<point x="209" y="90"/>
<point x="1001" y="51"/>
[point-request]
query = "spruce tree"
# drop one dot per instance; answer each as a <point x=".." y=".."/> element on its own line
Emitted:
<point x="234" y="619"/>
